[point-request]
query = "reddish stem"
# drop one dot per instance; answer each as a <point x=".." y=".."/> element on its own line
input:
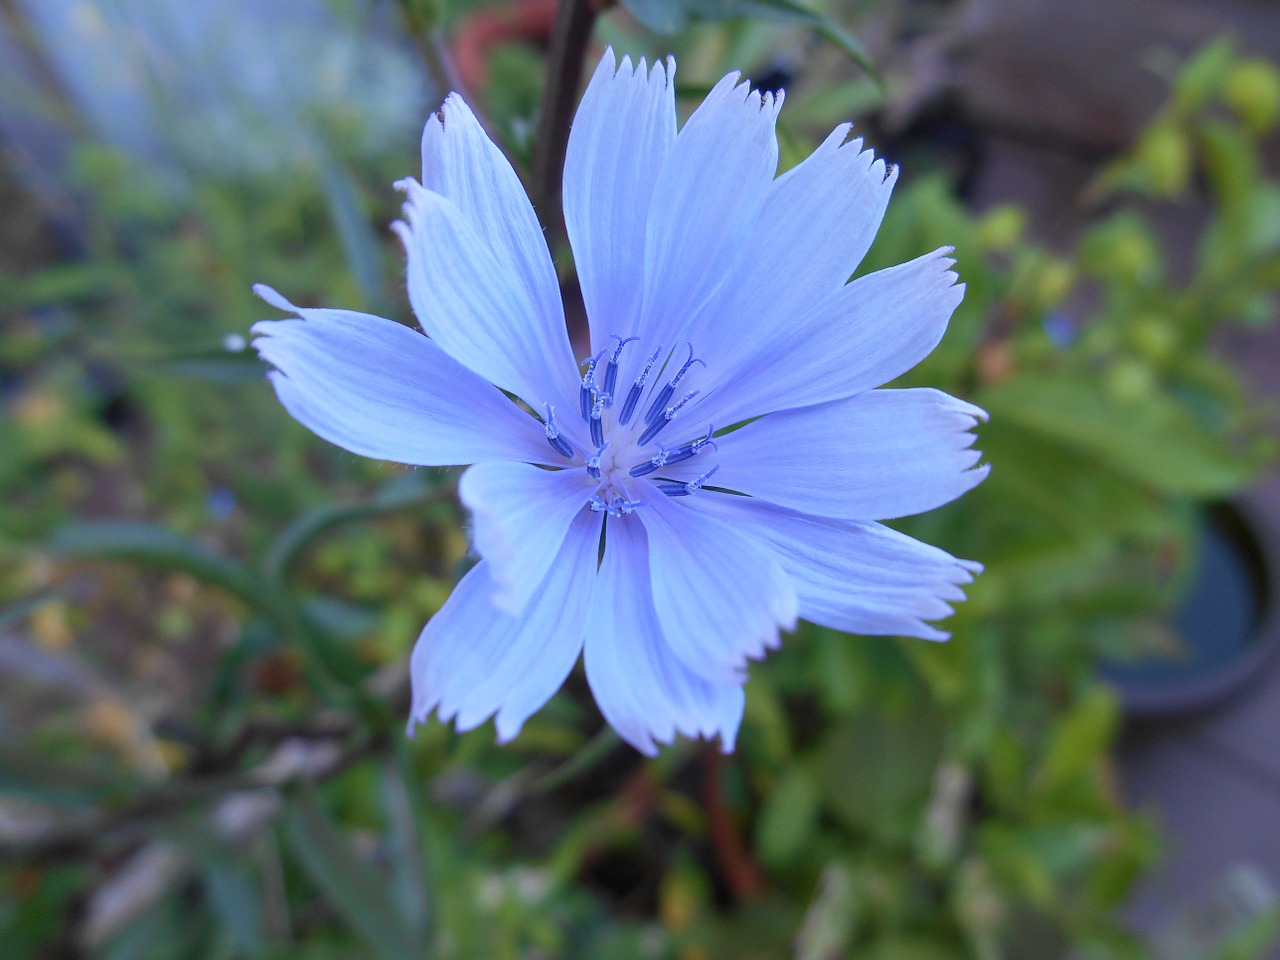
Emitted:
<point x="741" y="873"/>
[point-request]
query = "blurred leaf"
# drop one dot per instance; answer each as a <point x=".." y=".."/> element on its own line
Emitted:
<point x="1078" y="740"/>
<point x="835" y="103"/>
<point x="400" y="800"/>
<point x="1253" y="939"/>
<point x="39" y="776"/>
<point x="1202" y="77"/>
<point x="1154" y="440"/>
<point x="155" y="546"/>
<point x="1059" y="492"/>
<point x="765" y="720"/>
<point x="66" y="282"/>
<point x="909" y="948"/>
<point x="236" y="899"/>
<point x="788" y="817"/>
<point x="340" y="618"/>
<point x="405" y="492"/>
<point x="830" y="920"/>
<point x="1252" y="90"/>
<point x="671" y="16"/>
<point x="359" y="239"/>
<point x="349" y="884"/>
<point x="877" y="771"/>
<point x="1159" y="164"/>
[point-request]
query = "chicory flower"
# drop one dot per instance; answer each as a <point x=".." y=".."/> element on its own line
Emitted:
<point x="716" y="465"/>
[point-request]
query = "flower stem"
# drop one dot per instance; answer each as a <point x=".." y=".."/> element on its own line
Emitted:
<point x="421" y="19"/>
<point x="569" y="38"/>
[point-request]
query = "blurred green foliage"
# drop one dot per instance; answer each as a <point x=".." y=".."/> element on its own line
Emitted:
<point x="210" y="609"/>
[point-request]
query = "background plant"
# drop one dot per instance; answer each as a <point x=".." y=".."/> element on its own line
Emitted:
<point x="208" y="610"/>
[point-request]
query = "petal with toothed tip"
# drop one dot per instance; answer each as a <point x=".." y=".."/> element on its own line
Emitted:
<point x="473" y="661"/>
<point x="643" y="689"/>
<point x="721" y="599"/>
<point x="520" y="516"/>
<point x="379" y="389"/>
<point x="699" y="225"/>
<point x="621" y="135"/>
<point x="461" y="164"/>
<point x="850" y="575"/>
<point x="857" y="338"/>
<point x="816" y="225"/>
<point x="474" y="308"/>
<point x="876" y="456"/>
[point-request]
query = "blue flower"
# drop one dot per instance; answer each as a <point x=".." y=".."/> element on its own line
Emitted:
<point x="715" y="467"/>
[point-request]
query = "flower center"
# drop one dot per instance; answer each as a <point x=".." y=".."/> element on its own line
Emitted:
<point x="625" y="442"/>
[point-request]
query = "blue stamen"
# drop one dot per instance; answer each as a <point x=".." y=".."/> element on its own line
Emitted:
<point x="656" y="462"/>
<point x="659" y="423"/>
<point x="683" y="453"/>
<point x="587" y="392"/>
<point x="687" y="489"/>
<point x="637" y="387"/>
<point x="597" y="426"/>
<point x="620" y="507"/>
<point x="558" y="442"/>
<point x="611" y="370"/>
<point x="664" y="395"/>
<point x="593" y="462"/>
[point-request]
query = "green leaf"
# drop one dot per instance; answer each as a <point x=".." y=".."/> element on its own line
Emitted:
<point x="877" y="771"/>
<point x="1153" y="439"/>
<point x="235" y="897"/>
<point x="1044" y="479"/>
<point x="400" y="799"/>
<point x="831" y="920"/>
<point x="1202" y="77"/>
<point x="660" y="16"/>
<point x="904" y="947"/>
<point x="350" y="885"/>
<point x="1078" y="739"/>
<point x="404" y="493"/>
<point x="1253" y="938"/>
<point x="788" y="818"/>
<point x="835" y="103"/>
<point x="156" y="546"/>
<point x="359" y="239"/>
<point x="40" y="777"/>
<point x="671" y="16"/>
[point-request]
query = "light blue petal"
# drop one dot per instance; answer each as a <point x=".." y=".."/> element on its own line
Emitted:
<point x="816" y="225"/>
<point x="857" y="338"/>
<point x="461" y="164"/>
<point x="876" y="456"/>
<point x="473" y="660"/>
<point x="720" y="597"/>
<point x="379" y="389"/>
<point x="642" y="689"/>
<point x="709" y="192"/>
<point x="853" y="576"/>
<point x="477" y="309"/>
<point x="520" y="515"/>
<point x="621" y="135"/>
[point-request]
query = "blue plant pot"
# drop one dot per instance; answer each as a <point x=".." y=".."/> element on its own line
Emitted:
<point x="1228" y="622"/>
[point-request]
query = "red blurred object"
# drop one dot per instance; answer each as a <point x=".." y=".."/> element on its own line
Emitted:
<point x="529" y="20"/>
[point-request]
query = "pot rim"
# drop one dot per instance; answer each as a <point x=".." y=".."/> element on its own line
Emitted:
<point x="1203" y="691"/>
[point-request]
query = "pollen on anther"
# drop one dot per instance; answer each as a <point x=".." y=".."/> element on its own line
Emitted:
<point x="558" y="443"/>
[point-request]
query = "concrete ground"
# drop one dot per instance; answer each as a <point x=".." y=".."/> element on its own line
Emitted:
<point x="1054" y="84"/>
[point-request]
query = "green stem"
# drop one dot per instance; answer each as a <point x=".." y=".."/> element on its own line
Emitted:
<point x="592" y="752"/>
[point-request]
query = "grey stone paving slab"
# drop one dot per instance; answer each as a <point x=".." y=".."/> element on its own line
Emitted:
<point x="1077" y="70"/>
<point x="1216" y="814"/>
